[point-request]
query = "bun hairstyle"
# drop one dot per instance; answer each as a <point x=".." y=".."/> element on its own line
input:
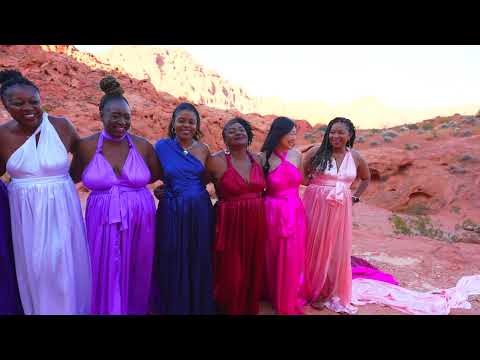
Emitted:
<point x="112" y="89"/>
<point x="9" y="78"/>
<point x="7" y="75"/>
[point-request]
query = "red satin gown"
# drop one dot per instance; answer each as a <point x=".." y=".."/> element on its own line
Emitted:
<point x="239" y="248"/>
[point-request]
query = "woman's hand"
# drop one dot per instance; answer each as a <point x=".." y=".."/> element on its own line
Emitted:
<point x="159" y="191"/>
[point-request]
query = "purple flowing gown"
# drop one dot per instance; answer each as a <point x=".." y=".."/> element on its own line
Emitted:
<point x="364" y="270"/>
<point x="10" y="303"/>
<point x="120" y="219"/>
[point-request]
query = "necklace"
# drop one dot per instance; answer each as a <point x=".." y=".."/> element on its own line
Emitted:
<point x="185" y="151"/>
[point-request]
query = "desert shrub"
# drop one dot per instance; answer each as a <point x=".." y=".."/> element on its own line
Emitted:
<point x="427" y="126"/>
<point x="399" y="225"/>
<point x="417" y="209"/>
<point x="466" y="157"/>
<point x="390" y="133"/>
<point x="455" y="209"/>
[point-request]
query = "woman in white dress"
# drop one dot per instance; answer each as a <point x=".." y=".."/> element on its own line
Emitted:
<point x="48" y="232"/>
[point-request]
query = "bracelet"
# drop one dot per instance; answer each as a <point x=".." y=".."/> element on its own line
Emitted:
<point x="355" y="199"/>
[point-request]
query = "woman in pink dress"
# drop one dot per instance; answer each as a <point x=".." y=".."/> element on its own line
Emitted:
<point x="332" y="168"/>
<point x="286" y="220"/>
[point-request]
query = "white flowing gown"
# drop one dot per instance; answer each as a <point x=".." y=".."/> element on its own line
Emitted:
<point x="49" y="239"/>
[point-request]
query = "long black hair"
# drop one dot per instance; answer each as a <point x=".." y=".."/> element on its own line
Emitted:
<point x="323" y="156"/>
<point x="245" y="124"/>
<point x="280" y="127"/>
<point x="181" y="107"/>
<point x="9" y="78"/>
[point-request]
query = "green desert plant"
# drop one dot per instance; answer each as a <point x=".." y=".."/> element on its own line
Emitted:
<point x="427" y="126"/>
<point x="399" y="225"/>
<point x="412" y="146"/>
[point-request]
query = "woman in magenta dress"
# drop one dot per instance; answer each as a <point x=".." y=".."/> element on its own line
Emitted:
<point x="239" y="247"/>
<point x="286" y="220"/>
<point x="120" y="215"/>
<point x="332" y="167"/>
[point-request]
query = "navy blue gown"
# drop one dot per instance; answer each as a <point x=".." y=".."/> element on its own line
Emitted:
<point x="182" y="281"/>
<point x="10" y="303"/>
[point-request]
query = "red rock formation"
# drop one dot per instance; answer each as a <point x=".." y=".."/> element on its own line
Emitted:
<point x="433" y="169"/>
<point x="176" y="72"/>
<point x="68" y="80"/>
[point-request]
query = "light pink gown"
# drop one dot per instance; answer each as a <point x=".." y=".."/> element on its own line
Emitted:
<point x="286" y="231"/>
<point x="328" y="204"/>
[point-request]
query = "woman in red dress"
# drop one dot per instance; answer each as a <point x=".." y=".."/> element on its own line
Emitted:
<point x="239" y="247"/>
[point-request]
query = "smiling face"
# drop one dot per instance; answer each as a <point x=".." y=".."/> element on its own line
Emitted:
<point x="185" y="125"/>
<point x="235" y="135"/>
<point x="116" y="118"/>
<point x="23" y="104"/>
<point x="288" y="141"/>
<point x="339" y="135"/>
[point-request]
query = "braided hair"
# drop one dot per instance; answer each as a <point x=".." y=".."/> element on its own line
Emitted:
<point x="280" y="127"/>
<point x="245" y="124"/>
<point x="113" y="91"/>
<point x="184" y="106"/>
<point x="323" y="156"/>
<point x="9" y="78"/>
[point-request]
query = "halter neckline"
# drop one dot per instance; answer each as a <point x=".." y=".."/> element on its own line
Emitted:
<point x="281" y="155"/>
<point x="111" y="138"/>
<point x="103" y="136"/>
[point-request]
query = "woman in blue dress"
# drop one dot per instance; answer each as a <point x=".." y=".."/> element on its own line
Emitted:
<point x="10" y="303"/>
<point x="182" y="273"/>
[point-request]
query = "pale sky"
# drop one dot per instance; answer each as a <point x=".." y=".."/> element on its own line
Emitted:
<point x="402" y="76"/>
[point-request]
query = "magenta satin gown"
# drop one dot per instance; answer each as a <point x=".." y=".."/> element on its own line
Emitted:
<point x="286" y="236"/>
<point x="120" y="219"/>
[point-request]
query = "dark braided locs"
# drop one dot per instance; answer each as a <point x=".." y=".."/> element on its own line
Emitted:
<point x="323" y="156"/>
<point x="280" y="127"/>
<point x="245" y="124"/>
<point x="9" y="78"/>
<point x="113" y="91"/>
<point x="184" y="106"/>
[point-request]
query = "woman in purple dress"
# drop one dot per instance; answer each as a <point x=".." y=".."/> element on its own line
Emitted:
<point x="120" y="215"/>
<point x="10" y="303"/>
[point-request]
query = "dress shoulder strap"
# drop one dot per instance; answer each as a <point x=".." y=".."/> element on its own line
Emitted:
<point x="281" y="156"/>
<point x="228" y="157"/>
<point x="99" y="143"/>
